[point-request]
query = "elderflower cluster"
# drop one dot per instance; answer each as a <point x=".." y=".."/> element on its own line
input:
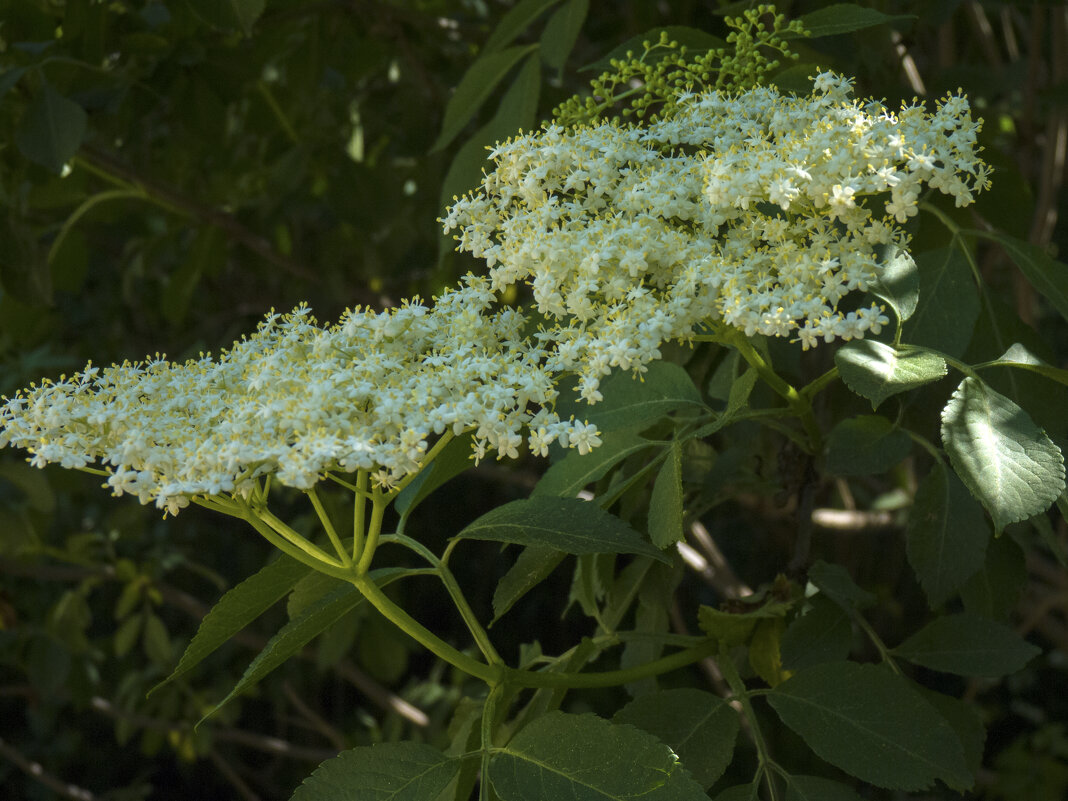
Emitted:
<point x="295" y="400"/>
<point x="757" y="210"/>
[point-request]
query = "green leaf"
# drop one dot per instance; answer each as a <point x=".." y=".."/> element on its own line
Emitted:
<point x="237" y="608"/>
<point x="405" y="771"/>
<point x="872" y="724"/>
<point x="155" y="641"/>
<point x="995" y="588"/>
<point x="665" y="505"/>
<point x="740" y="792"/>
<point x="533" y="566"/>
<point x="637" y="401"/>
<point x="478" y="82"/>
<point x="824" y="633"/>
<point x="9" y="78"/>
<point x="563" y="28"/>
<point x="513" y="23"/>
<point x="694" y="40"/>
<point x="298" y="632"/>
<point x="228" y="14"/>
<point x="453" y="459"/>
<point x="566" y="524"/>
<point x="585" y="758"/>
<point x="968" y="645"/>
<point x="898" y="283"/>
<point x="570" y="475"/>
<point x="839" y="18"/>
<point x="949" y="303"/>
<point x="1006" y="461"/>
<point x="32" y="483"/>
<point x="700" y="728"/>
<point x="815" y="788"/>
<point x="865" y="445"/>
<point x="835" y="582"/>
<point x="876" y="371"/>
<point x="947" y="535"/>
<point x="732" y="628"/>
<point x="52" y="129"/>
<point x="964" y="719"/>
<point x="1047" y="275"/>
<point x="1019" y="357"/>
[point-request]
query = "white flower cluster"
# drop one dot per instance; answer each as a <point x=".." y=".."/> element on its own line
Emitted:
<point x="759" y="210"/>
<point x="295" y="400"/>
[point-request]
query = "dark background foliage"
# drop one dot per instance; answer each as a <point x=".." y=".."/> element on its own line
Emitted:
<point x="172" y="169"/>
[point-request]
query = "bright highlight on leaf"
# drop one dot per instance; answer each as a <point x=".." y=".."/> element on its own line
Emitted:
<point x="876" y="371"/>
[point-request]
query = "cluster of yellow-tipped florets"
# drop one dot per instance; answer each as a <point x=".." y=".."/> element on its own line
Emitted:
<point x="757" y="209"/>
<point x="295" y="400"/>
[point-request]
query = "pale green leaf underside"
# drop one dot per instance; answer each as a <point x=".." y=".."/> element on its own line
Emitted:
<point x="1006" y="461"/>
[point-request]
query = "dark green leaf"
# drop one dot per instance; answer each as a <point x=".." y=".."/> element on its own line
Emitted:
<point x="9" y="79"/>
<point x="513" y="23"/>
<point x="52" y="129"/>
<point x="835" y="582"/>
<point x="864" y="445"/>
<point x="694" y="40"/>
<point x="968" y="645"/>
<point x="814" y="788"/>
<point x="732" y="628"/>
<point x="533" y="566"/>
<point x="964" y="719"/>
<point x="585" y="758"/>
<point x="454" y="459"/>
<point x="700" y="727"/>
<point x="839" y="18"/>
<point x="947" y="535"/>
<point x="566" y="524"/>
<point x="239" y="607"/>
<point x="1046" y="274"/>
<point x="571" y="474"/>
<point x="228" y="14"/>
<point x="877" y="371"/>
<point x="478" y="82"/>
<point x="405" y="771"/>
<point x="824" y="633"/>
<point x="898" y="283"/>
<point x="665" y="505"/>
<point x="949" y="303"/>
<point x="872" y="724"/>
<point x="995" y="588"/>
<point x="1006" y="461"/>
<point x="740" y="792"/>
<point x="561" y="31"/>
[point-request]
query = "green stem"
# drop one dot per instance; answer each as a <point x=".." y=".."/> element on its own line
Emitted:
<point x="359" y="510"/>
<point x="379" y="503"/>
<point x="283" y="530"/>
<point x="328" y="524"/>
<point x="489" y="714"/>
<point x="816" y="386"/>
<point x="610" y="678"/>
<point x="741" y="694"/>
<point x="876" y="640"/>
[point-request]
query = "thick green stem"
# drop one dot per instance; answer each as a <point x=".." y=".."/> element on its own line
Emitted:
<point x="328" y="524"/>
<point x="359" y="511"/>
<point x="374" y="528"/>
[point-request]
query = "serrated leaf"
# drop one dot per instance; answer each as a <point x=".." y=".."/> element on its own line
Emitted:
<point x="815" y="788"/>
<point x="824" y="633"/>
<point x="964" y="719"/>
<point x="865" y="445"/>
<point x="637" y="401"/>
<point x="871" y="723"/>
<point x="533" y="566"/>
<point x="561" y="31"/>
<point x="949" y="303"/>
<point x="1047" y="275"/>
<point x="731" y="628"/>
<point x="698" y="726"/>
<point x="968" y="645"/>
<point x="453" y="459"/>
<point x="694" y="40"/>
<point x="947" y="535"/>
<point x="1006" y="461"/>
<point x="298" y="632"/>
<point x="570" y="475"/>
<point x="994" y="589"/>
<point x="1020" y="358"/>
<point x="405" y="771"/>
<point x="876" y="371"/>
<point x="835" y="582"/>
<point x="586" y="758"/>
<point x="665" y="505"/>
<point x="566" y="524"/>
<point x="515" y="21"/>
<point x="51" y="130"/>
<point x="839" y="18"/>
<point x="237" y="608"/>
<point x="898" y="283"/>
<point x="478" y="82"/>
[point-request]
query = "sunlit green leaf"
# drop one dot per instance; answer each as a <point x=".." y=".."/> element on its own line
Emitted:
<point x="1006" y="461"/>
<point x="898" y="283"/>
<point x="876" y="371"/>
